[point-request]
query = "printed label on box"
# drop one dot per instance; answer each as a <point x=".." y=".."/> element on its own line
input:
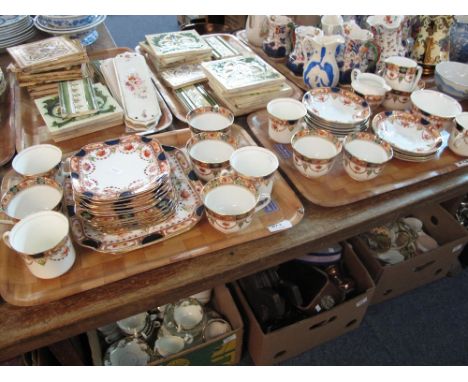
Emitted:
<point x="285" y="224"/>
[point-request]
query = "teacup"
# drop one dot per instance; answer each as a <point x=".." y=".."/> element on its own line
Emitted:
<point x="395" y="100"/>
<point x="257" y="165"/>
<point x="314" y="151"/>
<point x="31" y="195"/>
<point x="365" y="155"/>
<point x="437" y="107"/>
<point x="458" y="141"/>
<point x="210" y="119"/>
<point x="230" y="203"/>
<point x="43" y="242"/>
<point x="38" y="160"/>
<point x="285" y="117"/>
<point x="134" y="324"/>
<point x="402" y="73"/>
<point x="332" y="24"/>
<point x="370" y="86"/>
<point x="210" y="153"/>
<point x="168" y="345"/>
<point x="216" y="327"/>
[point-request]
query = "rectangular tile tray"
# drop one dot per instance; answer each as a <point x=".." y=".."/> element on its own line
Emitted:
<point x="31" y="130"/>
<point x="278" y="63"/>
<point x="337" y="188"/>
<point x="178" y="109"/>
<point x="92" y="269"/>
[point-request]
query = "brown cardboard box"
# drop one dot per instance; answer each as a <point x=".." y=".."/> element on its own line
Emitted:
<point x="289" y="341"/>
<point x="225" y="350"/>
<point x="394" y="280"/>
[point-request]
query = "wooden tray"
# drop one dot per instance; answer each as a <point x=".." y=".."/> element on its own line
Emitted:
<point x="31" y="130"/>
<point x="92" y="269"/>
<point x="7" y="116"/>
<point x="178" y="109"/>
<point x="337" y="188"/>
<point x="278" y="63"/>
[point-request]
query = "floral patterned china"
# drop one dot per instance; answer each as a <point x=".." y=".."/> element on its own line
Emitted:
<point x="31" y="195"/>
<point x="336" y="105"/>
<point x="210" y="153"/>
<point x="210" y="119"/>
<point x="37" y="160"/>
<point x="365" y="156"/>
<point x="402" y="73"/>
<point x="458" y="141"/>
<point x="408" y="134"/>
<point x="395" y="100"/>
<point x="230" y="203"/>
<point x="120" y="167"/>
<point x="438" y="108"/>
<point x="315" y="151"/>
<point x="188" y="212"/>
<point x="285" y="116"/>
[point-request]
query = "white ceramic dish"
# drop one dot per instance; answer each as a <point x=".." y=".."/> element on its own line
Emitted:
<point x="452" y="78"/>
<point x="435" y="103"/>
<point x="129" y="351"/>
<point x="407" y="133"/>
<point x="37" y="160"/>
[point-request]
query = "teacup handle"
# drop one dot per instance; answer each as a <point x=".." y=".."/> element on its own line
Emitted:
<point x="355" y="74"/>
<point x="418" y="75"/>
<point x="226" y="172"/>
<point x="6" y="238"/>
<point x="263" y="201"/>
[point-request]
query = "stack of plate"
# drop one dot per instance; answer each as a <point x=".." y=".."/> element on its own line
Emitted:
<point x="413" y="139"/>
<point x="81" y="27"/>
<point x="122" y="184"/>
<point x="336" y="110"/>
<point x="15" y="30"/>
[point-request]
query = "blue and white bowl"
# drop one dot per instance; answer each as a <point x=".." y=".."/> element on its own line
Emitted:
<point x="452" y="78"/>
<point x="87" y="34"/>
<point x="323" y="256"/>
<point x="66" y="22"/>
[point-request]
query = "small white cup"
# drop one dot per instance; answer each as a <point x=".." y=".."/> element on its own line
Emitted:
<point x="43" y="242"/>
<point x="168" y="345"/>
<point x="258" y="165"/>
<point x="37" y="160"/>
<point x="230" y="203"/>
<point x="285" y="117"/>
<point x="458" y="141"/>
<point x="402" y="73"/>
<point x="133" y="324"/>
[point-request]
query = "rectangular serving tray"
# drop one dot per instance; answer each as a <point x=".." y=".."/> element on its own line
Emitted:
<point x="92" y="269"/>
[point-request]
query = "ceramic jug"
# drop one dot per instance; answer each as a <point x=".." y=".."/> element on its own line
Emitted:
<point x="299" y="56"/>
<point x="387" y="31"/>
<point x="332" y="24"/>
<point x="278" y="44"/>
<point x="256" y="28"/>
<point x="354" y="53"/>
<point x="459" y="39"/>
<point x="421" y="29"/>
<point x="322" y="69"/>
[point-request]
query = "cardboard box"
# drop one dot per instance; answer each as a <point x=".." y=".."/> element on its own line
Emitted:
<point x="394" y="280"/>
<point x="225" y="350"/>
<point x="289" y="341"/>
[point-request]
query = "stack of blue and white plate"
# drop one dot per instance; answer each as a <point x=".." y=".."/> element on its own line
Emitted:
<point x="15" y="30"/>
<point x="81" y="27"/>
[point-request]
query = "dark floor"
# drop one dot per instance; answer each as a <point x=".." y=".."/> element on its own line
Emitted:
<point x="428" y="326"/>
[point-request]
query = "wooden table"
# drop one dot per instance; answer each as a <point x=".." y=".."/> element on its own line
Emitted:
<point x="24" y="329"/>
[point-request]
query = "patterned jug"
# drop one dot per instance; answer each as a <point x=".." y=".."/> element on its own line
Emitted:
<point x="387" y="31"/>
<point x="279" y="41"/>
<point x="459" y="39"/>
<point x="354" y="53"/>
<point x="299" y="55"/>
<point x="322" y="69"/>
